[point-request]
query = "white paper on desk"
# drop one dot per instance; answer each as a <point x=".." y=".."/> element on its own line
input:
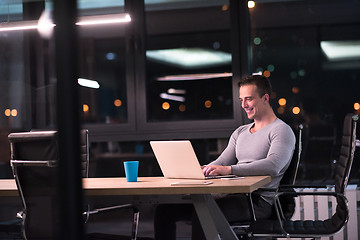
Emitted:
<point x="191" y="183"/>
<point x="234" y="178"/>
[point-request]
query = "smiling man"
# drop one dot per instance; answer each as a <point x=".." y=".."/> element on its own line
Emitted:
<point x="263" y="147"/>
<point x="267" y="143"/>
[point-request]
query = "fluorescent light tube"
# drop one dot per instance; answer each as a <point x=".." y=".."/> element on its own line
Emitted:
<point x="83" y="21"/>
<point x="172" y="97"/>
<point x="17" y="26"/>
<point x="341" y="50"/>
<point x="190" y="58"/>
<point x="88" y="83"/>
<point x="199" y="76"/>
<point x="104" y="19"/>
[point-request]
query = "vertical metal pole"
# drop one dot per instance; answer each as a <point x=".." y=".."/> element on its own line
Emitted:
<point x="241" y="49"/>
<point x="135" y="58"/>
<point x="68" y="120"/>
<point x="240" y="38"/>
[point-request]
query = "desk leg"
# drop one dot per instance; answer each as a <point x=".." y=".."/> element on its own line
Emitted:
<point x="212" y="220"/>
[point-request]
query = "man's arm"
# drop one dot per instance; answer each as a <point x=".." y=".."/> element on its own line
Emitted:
<point x="222" y="165"/>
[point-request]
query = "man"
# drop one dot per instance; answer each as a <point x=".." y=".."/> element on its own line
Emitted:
<point x="264" y="147"/>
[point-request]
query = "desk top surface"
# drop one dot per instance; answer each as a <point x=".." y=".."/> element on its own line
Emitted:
<point x="155" y="186"/>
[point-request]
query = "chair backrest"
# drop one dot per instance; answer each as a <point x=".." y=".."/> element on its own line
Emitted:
<point x="347" y="151"/>
<point x="292" y="170"/>
<point x="85" y="152"/>
<point x="43" y="145"/>
<point x="287" y="203"/>
<point x="342" y="171"/>
<point x="34" y="158"/>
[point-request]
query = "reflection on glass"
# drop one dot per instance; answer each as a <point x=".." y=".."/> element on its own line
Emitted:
<point x="307" y="61"/>
<point x="341" y="50"/>
<point x="102" y="76"/>
<point x="313" y="64"/>
<point x="189" y="74"/>
<point x="108" y="156"/>
<point x="204" y="99"/>
<point x="189" y="58"/>
<point x="12" y="84"/>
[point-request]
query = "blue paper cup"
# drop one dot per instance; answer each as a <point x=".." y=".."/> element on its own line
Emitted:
<point x="131" y="170"/>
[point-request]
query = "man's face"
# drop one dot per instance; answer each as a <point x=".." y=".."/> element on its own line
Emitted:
<point x="251" y="102"/>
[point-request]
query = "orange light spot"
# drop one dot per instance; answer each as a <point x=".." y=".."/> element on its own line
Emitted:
<point x="296" y="110"/>
<point x="295" y="90"/>
<point x="182" y="108"/>
<point x="117" y="102"/>
<point x="281" y="110"/>
<point x="85" y="108"/>
<point x="165" y="106"/>
<point x="13" y="113"/>
<point x="356" y="106"/>
<point x="208" y="104"/>
<point x="225" y="7"/>
<point x="267" y="73"/>
<point x="282" y="101"/>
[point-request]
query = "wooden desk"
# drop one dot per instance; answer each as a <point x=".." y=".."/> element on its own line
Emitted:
<point x="210" y="216"/>
<point x="8" y="188"/>
<point x="161" y="186"/>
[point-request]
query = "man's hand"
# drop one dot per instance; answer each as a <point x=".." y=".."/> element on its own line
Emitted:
<point x="216" y="170"/>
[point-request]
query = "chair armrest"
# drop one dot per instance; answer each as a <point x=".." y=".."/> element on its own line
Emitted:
<point x="105" y="209"/>
<point x="280" y="188"/>
<point x="296" y="194"/>
<point x="312" y="186"/>
<point x="45" y="163"/>
<point x="135" y="220"/>
<point x="90" y="212"/>
<point x="339" y="196"/>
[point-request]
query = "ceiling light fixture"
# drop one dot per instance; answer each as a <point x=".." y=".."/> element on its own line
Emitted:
<point x="190" y="58"/>
<point x="200" y="76"/>
<point x="341" y="50"/>
<point x="88" y="83"/>
<point x="104" y="19"/>
<point x="176" y="91"/>
<point x="172" y="97"/>
<point x="83" y="21"/>
<point x="16" y="26"/>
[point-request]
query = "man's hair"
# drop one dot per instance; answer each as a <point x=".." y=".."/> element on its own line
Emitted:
<point x="262" y="83"/>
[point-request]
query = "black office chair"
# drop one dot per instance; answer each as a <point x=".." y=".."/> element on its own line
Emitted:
<point x="285" y="202"/>
<point x="285" y="228"/>
<point x="34" y="157"/>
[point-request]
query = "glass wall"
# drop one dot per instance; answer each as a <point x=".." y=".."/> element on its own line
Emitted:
<point x="311" y="58"/>
<point x="188" y="63"/>
<point x="103" y="61"/>
<point x="168" y="73"/>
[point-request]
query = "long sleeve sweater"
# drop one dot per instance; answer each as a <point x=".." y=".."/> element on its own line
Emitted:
<point x="268" y="151"/>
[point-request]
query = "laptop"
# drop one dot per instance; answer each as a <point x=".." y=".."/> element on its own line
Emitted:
<point x="177" y="159"/>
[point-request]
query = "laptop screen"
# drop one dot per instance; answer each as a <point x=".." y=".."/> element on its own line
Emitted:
<point x="177" y="159"/>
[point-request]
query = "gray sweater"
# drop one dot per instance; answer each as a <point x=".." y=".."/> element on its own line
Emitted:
<point x="265" y="152"/>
